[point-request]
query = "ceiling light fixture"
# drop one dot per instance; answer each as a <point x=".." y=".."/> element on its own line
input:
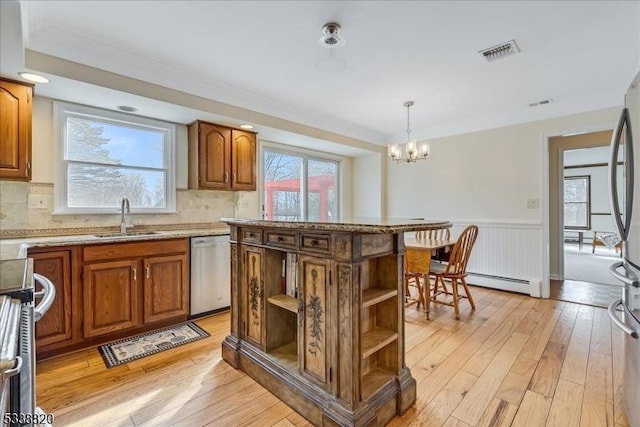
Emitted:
<point x="246" y="126"/>
<point x="410" y="148"/>
<point x="331" y="40"/>
<point x="33" y="77"/>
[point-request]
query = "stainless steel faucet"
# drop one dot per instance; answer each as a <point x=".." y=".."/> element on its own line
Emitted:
<point x="124" y="209"/>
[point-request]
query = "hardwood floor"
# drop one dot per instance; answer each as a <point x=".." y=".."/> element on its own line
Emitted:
<point x="516" y="361"/>
<point x="588" y="293"/>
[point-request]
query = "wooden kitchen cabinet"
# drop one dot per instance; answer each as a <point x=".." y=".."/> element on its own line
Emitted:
<point x="15" y="130"/>
<point x="135" y="284"/>
<point x="334" y="349"/>
<point x="111" y="296"/>
<point x="165" y="288"/>
<point x="59" y="327"/>
<point x="221" y="158"/>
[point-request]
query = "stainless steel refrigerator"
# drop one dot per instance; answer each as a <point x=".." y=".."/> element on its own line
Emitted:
<point x="625" y="201"/>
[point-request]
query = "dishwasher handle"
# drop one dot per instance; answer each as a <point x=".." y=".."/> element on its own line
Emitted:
<point x="205" y="242"/>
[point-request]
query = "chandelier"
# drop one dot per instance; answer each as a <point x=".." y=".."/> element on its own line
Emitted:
<point x="408" y="152"/>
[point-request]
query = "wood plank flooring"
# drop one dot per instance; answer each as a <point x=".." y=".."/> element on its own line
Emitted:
<point x="514" y="361"/>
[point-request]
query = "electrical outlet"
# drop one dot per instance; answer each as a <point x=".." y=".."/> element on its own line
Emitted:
<point x="533" y="203"/>
<point x="38" y="201"/>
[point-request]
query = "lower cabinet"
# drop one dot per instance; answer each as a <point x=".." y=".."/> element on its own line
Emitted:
<point x="58" y="327"/>
<point x="109" y="291"/>
<point x="165" y="288"/>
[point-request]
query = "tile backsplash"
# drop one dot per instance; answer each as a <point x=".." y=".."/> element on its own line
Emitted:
<point x="193" y="206"/>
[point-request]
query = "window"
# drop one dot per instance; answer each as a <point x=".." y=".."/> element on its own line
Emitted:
<point x="106" y="156"/>
<point x="299" y="186"/>
<point x="577" y="197"/>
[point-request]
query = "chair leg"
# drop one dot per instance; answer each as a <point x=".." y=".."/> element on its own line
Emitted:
<point x="427" y="288"/>
<point x="420" y="292"/>
<point x="469" y="297"/>
<point x="454" y="289"/>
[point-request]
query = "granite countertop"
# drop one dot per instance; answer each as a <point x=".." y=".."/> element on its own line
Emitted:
<point x="17" y="247"/>
<point x="352" y="224"/>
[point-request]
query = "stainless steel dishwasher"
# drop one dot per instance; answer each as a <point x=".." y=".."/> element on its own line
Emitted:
<point x="210" y="282"/>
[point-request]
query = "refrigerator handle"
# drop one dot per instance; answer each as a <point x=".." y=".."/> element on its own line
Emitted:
<point x="613" y="176"/>
<point x="616" y="320"/>
<point x="629" y="281"/>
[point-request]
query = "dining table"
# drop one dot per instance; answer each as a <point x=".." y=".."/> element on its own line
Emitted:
<point x="418" y="254"/>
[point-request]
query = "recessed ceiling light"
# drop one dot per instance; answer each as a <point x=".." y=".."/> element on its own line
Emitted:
<point x="246" y="126"/>
<point x="33" y="77"/>
<point x="126" y="108"/>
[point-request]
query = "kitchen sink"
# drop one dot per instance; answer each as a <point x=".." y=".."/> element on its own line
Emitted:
<point x="128" y="234"/>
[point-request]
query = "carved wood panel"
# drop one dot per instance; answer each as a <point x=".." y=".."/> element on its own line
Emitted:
<point x="314" y="318"/>
<point x="255" y="294"/>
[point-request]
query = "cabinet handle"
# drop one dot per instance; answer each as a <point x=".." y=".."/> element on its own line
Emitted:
<point x="226" y="176"/>
<point x="235" y="177"/>
<point x="280" y="238"/>
<point x="146" y="272"/>
<point x="314" y="242"/>
<point x="134" y="274"/>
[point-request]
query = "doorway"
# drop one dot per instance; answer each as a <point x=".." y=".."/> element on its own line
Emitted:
<point x="580" y="218"/>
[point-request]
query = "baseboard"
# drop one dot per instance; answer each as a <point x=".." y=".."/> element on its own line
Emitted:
<point x="502" y="283"/>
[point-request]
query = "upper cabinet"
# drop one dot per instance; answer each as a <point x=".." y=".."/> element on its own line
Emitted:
<point x="221" y="158"/>
<point x="15" y="130"/>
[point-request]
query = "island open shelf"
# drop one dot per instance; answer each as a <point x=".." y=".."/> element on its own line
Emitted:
<point x="318" y="316"/>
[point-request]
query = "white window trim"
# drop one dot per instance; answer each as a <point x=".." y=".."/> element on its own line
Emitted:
<point x="60" y="180"/>
<point x="308" y="155"/>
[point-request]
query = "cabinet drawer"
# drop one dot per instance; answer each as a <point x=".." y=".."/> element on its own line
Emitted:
<point x="252" y="235"/>
<point x="287" y="240"/>
<point x="315" y="242"/>
<point x="107" y="251"/>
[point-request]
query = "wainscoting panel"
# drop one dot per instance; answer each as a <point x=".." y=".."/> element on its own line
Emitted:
<point x="506" y="256"/>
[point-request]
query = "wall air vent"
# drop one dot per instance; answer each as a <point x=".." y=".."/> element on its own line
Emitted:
<point x="541" y="102"/>
<point x="500" y="51"/>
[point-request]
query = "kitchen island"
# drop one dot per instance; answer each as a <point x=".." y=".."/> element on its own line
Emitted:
<point x="317" y="315"/>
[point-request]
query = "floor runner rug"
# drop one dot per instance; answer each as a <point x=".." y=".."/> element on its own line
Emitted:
<point x="123" y="351"/>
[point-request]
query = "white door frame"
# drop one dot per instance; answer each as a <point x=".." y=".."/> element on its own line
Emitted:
<point x="545" y="289"/>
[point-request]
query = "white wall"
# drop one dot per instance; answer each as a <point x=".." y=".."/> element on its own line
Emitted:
<point x="487" y="178"/>
<point x="367" y="186"/>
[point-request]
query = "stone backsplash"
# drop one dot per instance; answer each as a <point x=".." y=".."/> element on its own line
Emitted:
<point x="16" y="218"/>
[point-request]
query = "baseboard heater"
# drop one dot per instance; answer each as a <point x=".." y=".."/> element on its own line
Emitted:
<point x="504" y="283"/>
<point x="508" y="279"/>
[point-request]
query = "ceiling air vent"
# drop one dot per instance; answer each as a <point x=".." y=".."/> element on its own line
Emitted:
<point x="500" y="51"/>
<point x="541" y="102"/>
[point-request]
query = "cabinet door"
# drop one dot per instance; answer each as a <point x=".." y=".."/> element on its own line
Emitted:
<point x="214" y="157"/>
<point x="55" y="326"/>
<point x="243" y="155"/>
<point x="15" y="130"/>
<point x="315" y="333"/>
<point x="165" y="288"/>
<point x="253" y="287"/>
<point x="110" y="294"/>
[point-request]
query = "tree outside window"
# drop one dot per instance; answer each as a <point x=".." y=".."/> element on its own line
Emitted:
<point x="297" y="187"/>
<point x="107" y="156"/>
<point x="577" y="198"/>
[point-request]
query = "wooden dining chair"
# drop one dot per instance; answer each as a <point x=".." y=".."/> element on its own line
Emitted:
<point x="417" y="265"/>
<point x="435" y="234"/>
<point x="455" y="272"/>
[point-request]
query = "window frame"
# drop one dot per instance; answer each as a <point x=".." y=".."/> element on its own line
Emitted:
<point x="62" y="110"/>
<point x="306" y="155"/>
<point x="586" y="178"/>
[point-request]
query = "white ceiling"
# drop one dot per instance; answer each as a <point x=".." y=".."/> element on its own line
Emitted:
<point x="261" y="55"/>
